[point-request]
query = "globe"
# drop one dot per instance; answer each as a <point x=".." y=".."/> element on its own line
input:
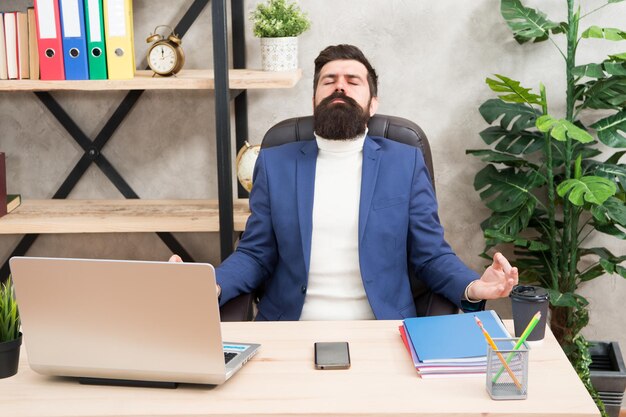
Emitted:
<point x="246" y="158"/>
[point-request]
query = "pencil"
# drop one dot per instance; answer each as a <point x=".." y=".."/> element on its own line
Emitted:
<point x="529" y="328"/>
<point x="495" y="349"/>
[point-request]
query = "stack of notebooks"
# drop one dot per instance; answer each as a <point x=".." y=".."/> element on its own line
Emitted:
<point x="453" y="345"/>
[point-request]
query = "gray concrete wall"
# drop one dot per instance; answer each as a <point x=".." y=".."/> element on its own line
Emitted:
<point x="432" y="58"/>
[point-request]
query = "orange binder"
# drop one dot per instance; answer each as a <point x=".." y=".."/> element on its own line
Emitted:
<point x="50" y="40"/>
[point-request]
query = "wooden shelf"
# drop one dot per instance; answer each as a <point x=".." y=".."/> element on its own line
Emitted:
<point x="110" y="216"/>
<point x="186" y="80"/>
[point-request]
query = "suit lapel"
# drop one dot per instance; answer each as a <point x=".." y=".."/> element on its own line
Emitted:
<point x="305" y="186"/>
<point x="371" y="162"/>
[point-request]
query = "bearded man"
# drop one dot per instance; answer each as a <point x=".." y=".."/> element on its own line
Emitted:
<point x="337" y="222"/>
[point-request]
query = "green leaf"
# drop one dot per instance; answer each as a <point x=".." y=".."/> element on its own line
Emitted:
<point x="568" y="299"/>
<point x="526" y="24"/>
<point x="605" y="93"/>
<point x="592" y="189"/>
<point x="561" y="129"/>
<point x="621" y="271"/>
<point x="615" y="68"/>
<point x="610" y="34"/>
<point x="612" y="172"/>
<point x="603" y="253"/>
<point x="515" y="116"/>
<point x="516" y="143"/>
<point x="611" y="229"/>
<point x="614" y="159"/>
<point x="578" y="167"/>
<point x="616" y="210"/>
<point x="591" y="273"/>
<point x="9" y="315"/>
<point x="585" y="150"/>
<point x="507" y="189"/>
<point x="278" y="18"/>
<point x="516" y="93"/>
<point x="511" y="223"/>
<point x="607" y="266"/>
<point x="609" y="130"/>
<point x="522" y="242"/>
<point x="589" y="70"/>
<point x="615" y="1"/>
<point x="487" y="155"/>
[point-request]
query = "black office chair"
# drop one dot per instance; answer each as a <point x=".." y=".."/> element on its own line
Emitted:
<point x="402" y="130"/>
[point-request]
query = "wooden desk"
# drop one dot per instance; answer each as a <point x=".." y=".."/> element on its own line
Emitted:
<point x="282" y="381"/>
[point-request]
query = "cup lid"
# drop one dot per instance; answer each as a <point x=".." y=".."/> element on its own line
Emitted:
<point x="529" y="293"/>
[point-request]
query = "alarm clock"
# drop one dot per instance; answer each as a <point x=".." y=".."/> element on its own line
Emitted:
<point x="165" y="56"/>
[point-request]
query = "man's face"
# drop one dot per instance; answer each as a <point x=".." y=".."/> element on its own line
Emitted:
<point x="348" y="76"/>
<point x="342" y="101"/>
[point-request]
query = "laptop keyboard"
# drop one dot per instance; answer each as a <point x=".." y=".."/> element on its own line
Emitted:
<point x="228" y="356"/>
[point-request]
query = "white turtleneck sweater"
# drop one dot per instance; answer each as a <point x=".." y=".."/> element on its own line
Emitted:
<point x="335" y="287"/>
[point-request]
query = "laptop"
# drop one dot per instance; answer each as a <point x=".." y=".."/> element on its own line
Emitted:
<point x="114" y="321"/>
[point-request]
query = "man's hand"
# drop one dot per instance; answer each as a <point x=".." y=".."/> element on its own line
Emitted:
<point x="176" y="258"/>
<point x="496" y="282"/>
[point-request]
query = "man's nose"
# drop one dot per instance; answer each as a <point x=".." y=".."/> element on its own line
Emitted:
<point x="340" y="85"/>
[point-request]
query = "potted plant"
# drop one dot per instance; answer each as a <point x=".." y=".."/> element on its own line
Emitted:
<point x="10" y="336"/>
<point x="547" y="182"/>
<point x="278" y="23"/>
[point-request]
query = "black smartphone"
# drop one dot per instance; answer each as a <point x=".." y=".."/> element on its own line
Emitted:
<point x="332" y="355"/>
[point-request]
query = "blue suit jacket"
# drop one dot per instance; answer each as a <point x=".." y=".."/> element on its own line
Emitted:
<point x="398" y="228"/>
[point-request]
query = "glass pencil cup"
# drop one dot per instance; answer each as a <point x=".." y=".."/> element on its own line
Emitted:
<point x="507" y="370"/>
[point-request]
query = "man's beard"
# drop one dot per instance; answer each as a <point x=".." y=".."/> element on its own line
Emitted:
<point x="340" y="121"/>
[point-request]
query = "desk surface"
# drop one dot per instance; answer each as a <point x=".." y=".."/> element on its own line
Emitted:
<point x="282" y="381"/>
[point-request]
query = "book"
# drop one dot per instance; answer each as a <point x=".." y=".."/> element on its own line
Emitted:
<point x="21" y="19"/>
<point x="13" y="202"/>
<point x="453" y="338"/>
<point x="10" y="40"/>
<point x="33" y="48"/>
<point x="3" y="183"/>
<point x="3" y="51"/>
<point x="449" y="346"/>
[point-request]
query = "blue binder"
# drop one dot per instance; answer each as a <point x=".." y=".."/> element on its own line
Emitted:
<point x="453" y="338"/>
<point x="75" y="53"/>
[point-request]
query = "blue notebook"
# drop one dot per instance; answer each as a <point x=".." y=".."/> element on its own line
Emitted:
<point x="453" y="338"/>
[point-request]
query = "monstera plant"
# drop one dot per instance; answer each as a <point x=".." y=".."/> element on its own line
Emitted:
<point x="554" y="180"/>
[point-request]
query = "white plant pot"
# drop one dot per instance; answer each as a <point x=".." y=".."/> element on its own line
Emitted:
<point x="279" y="54"/>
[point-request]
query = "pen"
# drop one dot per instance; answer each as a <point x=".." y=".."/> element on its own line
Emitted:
<point x="495" y="349"/>
<point x="529" y="328"/>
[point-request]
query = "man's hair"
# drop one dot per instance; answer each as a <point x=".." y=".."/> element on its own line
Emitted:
<point x="338" y="52"/>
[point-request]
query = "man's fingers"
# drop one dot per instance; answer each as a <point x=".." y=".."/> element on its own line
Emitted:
<point x="511" y="281"/>
<point x="500" y="262"/>
<point x="175" y="258"/>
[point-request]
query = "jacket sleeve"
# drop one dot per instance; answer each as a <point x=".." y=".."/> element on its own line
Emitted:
<point x="430" y="255"/>
<point x="255" y="257"/>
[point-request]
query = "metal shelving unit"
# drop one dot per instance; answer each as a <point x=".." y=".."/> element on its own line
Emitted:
<point x="228" y="84"/>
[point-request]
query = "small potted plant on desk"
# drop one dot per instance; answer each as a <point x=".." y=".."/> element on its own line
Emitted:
<point x="10" y="336"/>
<point x="278" y="23"/>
